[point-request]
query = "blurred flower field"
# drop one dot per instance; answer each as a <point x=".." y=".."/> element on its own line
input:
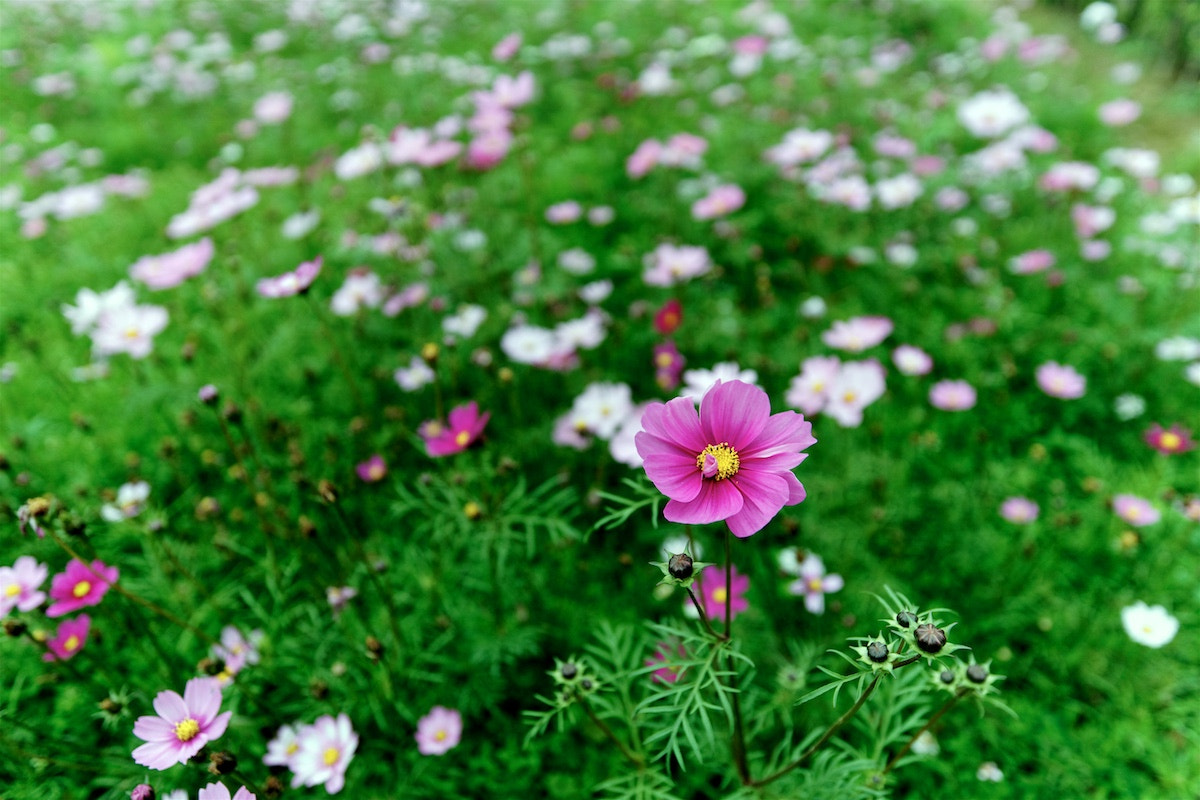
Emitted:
<point x="449" y="398"/>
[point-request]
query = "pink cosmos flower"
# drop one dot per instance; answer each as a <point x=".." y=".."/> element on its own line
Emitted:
<point x="856" y="385"/>
<point x="507" y="47"/>
<point x="1175" y="439"/>
<point x="720" y="201"/>
<point x="129" y="330"/>
<point x="438" y="731"/>
<point x="952" y="395"/>
<point x="183" y="726"/>
<point x="68" y="639"/>
<point x="1135" y="510"/>
<point x="713" y="593"/>
<point x="667" y="655"/>
<point x="466" y="424"/>
<point x="171" y="269"/>
<point x="79" y="586"/>
<point x="814" y="584"/>
<point x="1116" y="113"/>
<point x="668" y="365"/>
<point x="291" y="283"/>
<point x="1091" y="220"/>
<point x="282" y="749"/>
<point x="218" y="791"/>
<point x="325" y="750"/>
<point x="1019" y="510"/>
<point x="644" y="158"/>
<point x="237" y="650"/>
<point x="1058" y="380"/>
<point x="669" y="265"/>
<point x="858" y="333"/>
<point x="143" y="791"/>
<point x="1031" y="262"/>
<point x="564" y="212"/>
<point x="273" y="108"/>
<point x="19" y="585"/>
<point x="668" y="318"/>
<point x="809" y="391"/>
<point x="912" y="360"/>
<point x="731" y="462"/>
<point x="373" y="469"/>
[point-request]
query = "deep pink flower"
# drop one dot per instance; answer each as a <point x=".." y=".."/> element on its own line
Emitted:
<point x="68" y="639"/>
<point x="1175" y="439"/>
<point x="438" y="731"/>
<point x="466" y="424"/>
<point x="668" y="656"/>
<point x="291" y="283"/>
<point x="79" y="586"/>
<point x="668" y="318"/>
<point x="373" y="469"/>
<point x="713" y="593"/>
<point x="731" y="462"/>
<point x="183" y="725"/>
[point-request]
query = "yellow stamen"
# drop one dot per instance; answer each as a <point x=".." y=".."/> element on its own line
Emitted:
<point x="293" y="747"/>
<point x="462" y="437"/>
<point x="1169" y="441"/>
<point x="718" y="461"/>
<point x="81" y="589"/>
<point x="13" y="590"/>
<point x="71" y="644"/>
<point x="440" y="736"/>
<point x="331" y="756"/>
<point x="814" y="584"/>
<point x="187" y="730"/>
<point x="720" y="595"/>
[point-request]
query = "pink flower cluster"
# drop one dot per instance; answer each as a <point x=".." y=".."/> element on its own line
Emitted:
<point x="840" y="390"/>
<point x="115" y="322"/>
<point x="317" y="754"/>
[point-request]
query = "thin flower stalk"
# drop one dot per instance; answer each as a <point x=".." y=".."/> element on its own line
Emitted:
<point x="635" y="759"/>
<point x="949" y="704"/>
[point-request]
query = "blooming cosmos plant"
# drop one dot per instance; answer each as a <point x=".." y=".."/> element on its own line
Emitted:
<point x="731" y="462"/>
<point x="438" y="731"/>
<point x="183" y="725"/>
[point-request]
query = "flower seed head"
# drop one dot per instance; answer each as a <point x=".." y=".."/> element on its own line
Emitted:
<point x="930" y="638"/>
<point x="906" y="619"/>
<point x="223" y="763"/>
<point x="946" y="676"/>
<point x="877" y="652"/>
<point x="977" y="673"/>
<point x="680" y="566"/>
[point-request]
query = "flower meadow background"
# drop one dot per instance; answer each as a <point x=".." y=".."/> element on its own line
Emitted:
<point x="328" y="329"/>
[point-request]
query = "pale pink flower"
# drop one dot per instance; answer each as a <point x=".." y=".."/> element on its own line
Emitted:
<point x="669" y="265"/>
<point x="20" y="585"/>
<point x="438" y="731"/>
<point x="719" y="202"/>
<point x="952" y="395"/>
<point x="900" y="191"/>
<point x="1061" y="381"/>
<point x="564" y="212"/>
<point x="1019" y="510"/>
<point x="992" y="113"/>
<point x="856" y="386"/>
<point x="507" y="47"/>
<point x="858" y="333"/>
<point x="814" y="584"/>
<point x="912" y="360"/>
<point x="1031" y="262"/>
<point x="325" y="750"/>
<point x="183" y="726"/>
<point x="218" y="791"/>
<point x="644" y="158"/>
<point x="129" y="330"/>
<point x="1137" y="511"/>
<point x="171" y="269"/>
<point x="273" y="108"/>
<point x="282" y="749"/>
<point x="291" y="283"/>
<point x="809" y="391"/>
<point x="1067" y="176"/>
<point x="1091" y="220"/>
<point x="1116" y="113"/>
<point x="361" y="289"/>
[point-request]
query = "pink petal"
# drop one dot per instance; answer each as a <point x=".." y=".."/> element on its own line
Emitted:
<point x="203" y="698"/>
<point x="734" y="412"/>
<point x="786" y="431"/>
<point x="778" y="463"/>
<point x="157" y="755"/>
<point x="675" y="422"/>
<point x="170" y="706"/>
<point x="765" y="494"/>
<point x="815" y="602"/>
<point x="154" y="729"/>
<point x="673" y="475"/>
<point x="217" y="727"/>
<point x="796" y="493"/>
<point x="716" y="501"/>
<point x="464" y="416"/>
<point x="832" y="583"/>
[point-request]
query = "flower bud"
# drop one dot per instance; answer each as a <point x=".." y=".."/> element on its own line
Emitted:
<point x="681" y="566"/>
<point x="569" y="670"/>
<point x="977" y="673"/>
<point x="327" y="491"/>
<point x="273" y="788"/>
<point x="946" y="676"/>
<point x="208" y="394"/>
<point x="930" y="638"/>
<point x="877" y="652"/>
<point x="142" y="791"/>
<point x="15" y="627"/>
<point x="906" y="619"/>
<point x="211" y="666"/>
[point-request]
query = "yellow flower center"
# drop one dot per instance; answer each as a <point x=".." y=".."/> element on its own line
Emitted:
<point x="374" y="472"/>
<point x="81" y="589"/>
<point x="1170" y="441"/>
<point x="13" y="590"/>
<point x="720" y="595"/>
<point x="814" y="584"/>
<point x="462" y="437"/>
<point x="293" y="747"/>
<point x="848" y="397"/>
<point x="718" y="461"/>
<point x="664" y="359"/>
<point x="331" y="756"/>
<point x="71" y="644"/>
<point x="187" y="730"/>
<point x="440" y="736"/>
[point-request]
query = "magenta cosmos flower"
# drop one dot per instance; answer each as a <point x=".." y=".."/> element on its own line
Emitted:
<point x="438" y="731"/>
<point x="373" y="469"/>
<point x="668" y="656"/>
<point x="68" y="639"/>
<point x="732" y="462"/>
<point x="79" y="586"/>
<point x="183" y="725"/>
<point x="466" y="424"/>
<point x="1169" y="441"/>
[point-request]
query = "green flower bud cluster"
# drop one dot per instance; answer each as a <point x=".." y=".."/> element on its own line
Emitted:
<point x="573" y="681"/>
<point x="968" y="677"/>
<point x="680" y="570"/>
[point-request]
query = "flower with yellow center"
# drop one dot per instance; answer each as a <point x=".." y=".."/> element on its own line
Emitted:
<point x="82" y="588"/>
<point x="71" y="644"/>
<point x="331" y="756"/>
<point x="1170" y="441"/>
<point x="12" y="590"/>
<point x="187" y="730"/>
<point x="718" y="461"/>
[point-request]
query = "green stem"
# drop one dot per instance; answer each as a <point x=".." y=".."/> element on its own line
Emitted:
<point x="949" y="704"/>
<point x="635" y="759"/>
<point x="703" y="616"/>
